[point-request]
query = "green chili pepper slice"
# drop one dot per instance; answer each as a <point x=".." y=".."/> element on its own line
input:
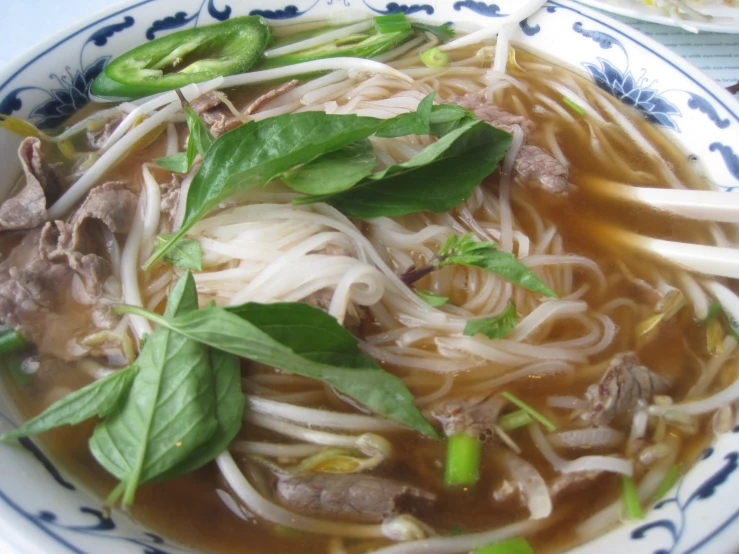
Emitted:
<point x="185" y="57"/>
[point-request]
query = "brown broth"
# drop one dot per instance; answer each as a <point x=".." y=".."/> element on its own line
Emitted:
<point x="189" y="509"/>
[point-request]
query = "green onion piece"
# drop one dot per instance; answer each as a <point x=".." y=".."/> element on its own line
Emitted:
<point x="11" y="341"/>
<point x="546" y="422"/>
<point x="712" y="312"/>
<point x="510" y="546"/>
<point x="632" y="508"/>
<point x="668" y="481"/>
<point x="392" y="23"/>
<point x="462" y="460"/>
<point x="514" y="420"/>
<point x="433" y="57"/>
<point x="573" y="106"/>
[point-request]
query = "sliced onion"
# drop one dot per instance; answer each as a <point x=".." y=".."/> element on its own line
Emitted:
<point x="610" y="464"/>
<point x="531" y="484"/>
<point x="567" y="403"/>
<point x="591" y="437"/>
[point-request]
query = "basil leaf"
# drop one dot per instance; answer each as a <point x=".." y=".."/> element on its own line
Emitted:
<point x="170" y="410"/>
<point x="200" y="136"/>
<point x="446" y="118"/>
<point x="186" y="253"/>
<point x="258" y="151"/>
<point x="437" y="120"/>
<point x="303" y="340"/>
<point x="99" y="398"/>
<point x="496" y="326"/>
<point x="230" y="402"/>
<point x="334" y="171"/>
<point x="432" y="299"/>
<point x="177" y="163"/>
<point x="436" y="179"/>
<point x="465" y="250"/>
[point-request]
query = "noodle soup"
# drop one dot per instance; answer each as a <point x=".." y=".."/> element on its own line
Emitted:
<point x="554" y="369"/>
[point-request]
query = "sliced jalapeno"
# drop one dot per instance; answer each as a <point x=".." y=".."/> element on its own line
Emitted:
<point x="185" y="57"/>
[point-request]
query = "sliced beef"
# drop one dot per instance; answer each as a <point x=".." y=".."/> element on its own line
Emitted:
<point x="170" y="197"/>
<point x="538" y="169"/>
<point x="625" y="382"/>
<point x="494" y="115"/>
<point x="473" y="417"/>
<point x="111" y="205"/>
<point x="27" y="208"/>
<point x="97" y="138"/>
<point x="220" y="118"/>
<point x="350" y="497"/>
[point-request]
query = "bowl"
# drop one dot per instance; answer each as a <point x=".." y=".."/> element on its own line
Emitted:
<point x="42" y="510"/>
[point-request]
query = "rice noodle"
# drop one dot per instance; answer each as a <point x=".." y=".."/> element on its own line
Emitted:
<point x="592" y="437"/>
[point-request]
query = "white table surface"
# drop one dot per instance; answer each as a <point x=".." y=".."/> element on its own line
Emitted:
<point x="25" y="23"/>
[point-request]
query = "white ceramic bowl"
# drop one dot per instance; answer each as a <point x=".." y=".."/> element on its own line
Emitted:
<point x="42" y="512"/>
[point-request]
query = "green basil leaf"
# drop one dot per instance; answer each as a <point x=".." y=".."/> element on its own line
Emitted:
<point x="446" y="118"/>
<point x="186" y="253"/>
<point x="334" y="171"/>
<point x="496" y="326"/>
<point x="230" y="402"/>
<point x="431" y="298"/>
<point x="200" y="135"/>
<point x="177" y="163"/>
<point x="465" y="250"/>
<point x="303" y="340"/>
<point x="99" y="398"/>
<point x="259" y="151"/>
<point x="169" y="412"/>
<point x="437" y="120"/>
<point x="436" y="179"/>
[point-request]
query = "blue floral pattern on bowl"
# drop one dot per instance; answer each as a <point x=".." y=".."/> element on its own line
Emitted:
<point x="48" y="87"/>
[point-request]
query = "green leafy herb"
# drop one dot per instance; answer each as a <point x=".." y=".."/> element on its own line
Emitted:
<point x="514" y="420"/>
<point x="230" y="402"/>
<point x="392" y="23"/>
<point x="169" y="411"/>
<point x="667" y="482"/>
<point x="432" y="299"/>
<point x="465" y="250"/>
<point x="434" y="58"/>
<point x="186" y="253"/>
<point x="200" y="135"/>
<point x="258" y="151"/>
<point x="176" y="163"/>
<point x="99" y="398"/>
<point x="462" y="460"/>
<point x="334" y="171"/>
<point x="496" y="326"/>
<point x="538" y="416"/>
<point x="575" y="107"/>
<point x="516" y="545"/>
<point x="303" y="340"/>
<point x="436" y="179"/>
<point x="632" y="508"/>
<point x="11" y="341"/>
<point x="442" y="32"/>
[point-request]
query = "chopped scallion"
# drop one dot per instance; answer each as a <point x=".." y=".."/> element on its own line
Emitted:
<point x="510" y="546"/>
<point x="433" y="57"/>
<point x="546" y="422"/>
<point x="514" y="420"/>
<point x="392" y="23"/>
<point x="462" y="460"/>
<point x="668" y="481"/>
<point x="632" y="508"/>
<point x="573" y="106"/>
<point x="11" y="341"/>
